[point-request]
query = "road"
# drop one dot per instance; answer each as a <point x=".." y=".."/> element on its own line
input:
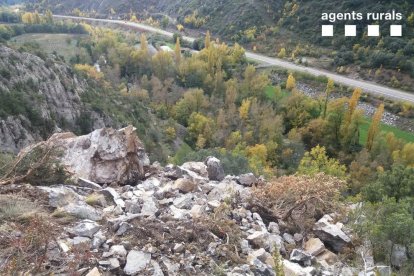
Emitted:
<point x="369" y="87"/>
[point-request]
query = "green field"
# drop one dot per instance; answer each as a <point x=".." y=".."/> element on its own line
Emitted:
<point x="405" y="135"/>
<point x="270" y="92"/>
<point x="64" y="44"/>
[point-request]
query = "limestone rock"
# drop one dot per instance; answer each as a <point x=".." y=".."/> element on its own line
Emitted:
<point x="299" y="256"/>
<point x="214" y="169"/>
<point x="136" y="262"/>
<point x="103" y="156"/>
<point x="331" y="234"/>
<point x="94" y="272"/>
<point x="247" y="179"/>
<point x="66" y="200"/>
<point x="118" y="250"/>
<point x="294" y="269"/>
<point x="86" y="228"/>
<point x="197" y="167"/>
<point x="185" y="185"/>
<point x="314" y="246"/>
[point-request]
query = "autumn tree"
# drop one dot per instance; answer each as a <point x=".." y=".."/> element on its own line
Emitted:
<point x="192" y="102"/>
<point x="177" y="52"/>
<point x="282" y="53"/>
<point x="405" y="155"/>
<point x="374" y="128"/>
<point x="27" y="18"/>
<point x="257" y="156"/>
<point x="244" y="109"/>
<point x="352" y="104"/>
<point x="317" y="161"/>
<point x="201" y="129"/>
<point x="207" y="40"/>
<point x="49" y="17"/>
<point x="163" y="65"/>
<point x="291" y="82"/>
<point x="329" y="87"/>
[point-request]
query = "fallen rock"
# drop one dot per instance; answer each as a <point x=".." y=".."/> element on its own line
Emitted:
<point x="98" y="239"/>
<point x="260" y="268"/>
<point x="88" y="184"/>
<point x="150" y="206"/>
<point x="60" y="195"/>
<point x="289" y="238"/>
<point x="214" y="169"/>
<point x="274" y="228"/>
<point x="299" y="256"/>
<point x="179" y="247"/>
<point x="259" y="238"/>
<point x="294" y="269"/>
<point x="68" y="201"/>
<point x="247" y="179"/>
<point x="314" y="246"/>
<point x="227" y="189"/>
<point x="136" y="262"/>
<point x="197" y="211"/>
<point x="103" y="156"/>
<point x="133" y="206"/>
<point x="111" y="263"/>
<point x="81" y="240"/>
<point x="197" y="167"/>
<point x="113" y="195"/>
<point x="331" y="234"/>
<point x="85" y="228"/>
<point x="118" y="250"/>
<point x="94" y="272"/>
<point x="172" y="268"/>
<point x="328" y="257"/>
<point x="173" y="172"/>
<point x="185" y="185"/>
<point x="262" y="255"/>
<point x="156" y="269"/>
<point x="83" y="211"/>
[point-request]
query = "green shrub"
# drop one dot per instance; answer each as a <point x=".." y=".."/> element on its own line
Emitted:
<point x="386" y="224"/>
<point x="396" y="183"/>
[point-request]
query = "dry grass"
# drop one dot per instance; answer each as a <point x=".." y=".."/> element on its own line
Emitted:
<point x="298" y="200"/>
<point x="96" y="199"/>
<point x="24" y="246"/>
<point x="15" y="207"/>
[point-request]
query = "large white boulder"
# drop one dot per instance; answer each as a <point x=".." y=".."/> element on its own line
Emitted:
<point x="103" y="156"/>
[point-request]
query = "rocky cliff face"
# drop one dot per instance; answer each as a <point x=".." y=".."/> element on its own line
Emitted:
<point x="38" y="96"/>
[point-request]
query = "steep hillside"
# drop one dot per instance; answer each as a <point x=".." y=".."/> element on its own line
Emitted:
<point x="37" y="97"/>
<point x="40" y="95"/>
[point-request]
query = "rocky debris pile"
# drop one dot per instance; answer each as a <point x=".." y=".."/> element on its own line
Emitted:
<point x="174" y="220"/>
<point x="178" y="221"/>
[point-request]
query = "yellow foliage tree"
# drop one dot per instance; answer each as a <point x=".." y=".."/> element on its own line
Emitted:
<point x="329" y="87"/>
<point x="180" y="28"/>
<point x="200" y="128"/>
<point x="317" y="161"/>
<point x="27" y="18"/>
<point x="207" y="40"/>
<point x="291" y="82"/>
<point x="282" y="53"/>
<point x="405" y="156"/>
<point x="177" y="52"/>
<point x="88" y="71"/>
<point x="374" y="128"/>
<point x="244" y="109"/>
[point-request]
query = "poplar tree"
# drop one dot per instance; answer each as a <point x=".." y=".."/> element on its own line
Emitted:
<point x="374" y="128"/>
